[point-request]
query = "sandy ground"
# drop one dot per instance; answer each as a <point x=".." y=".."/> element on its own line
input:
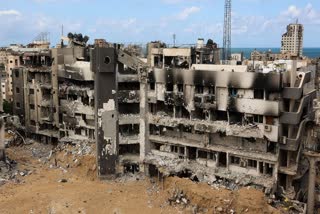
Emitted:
<point x="41" y="191"/>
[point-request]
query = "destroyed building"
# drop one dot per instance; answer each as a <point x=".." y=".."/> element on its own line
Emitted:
<point x="175" y="112"/>
<point x="2" y="85"/>
<point x="2" y="139"/>
<point x="159" y="55"/>
<point x="76" y="93"/>
<point x="177" y="115"/>
<point x="53" y="93"/>
<point x="34" y="95"/>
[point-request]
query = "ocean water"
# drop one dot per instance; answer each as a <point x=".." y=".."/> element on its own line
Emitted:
<point x="308" y="52"/>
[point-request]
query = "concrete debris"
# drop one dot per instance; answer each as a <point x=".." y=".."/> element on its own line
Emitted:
<point x="178" y="197"/>
<point x="197" y="172"/>
<point x="9" y="172"/>
<point x="77" y="148"/>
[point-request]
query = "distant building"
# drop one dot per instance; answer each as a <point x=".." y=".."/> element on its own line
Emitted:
<point x="292" y="40"/>
<point x="236" y="58"/>
<point x="2" y="86"/>
<point x="269" y="56"/>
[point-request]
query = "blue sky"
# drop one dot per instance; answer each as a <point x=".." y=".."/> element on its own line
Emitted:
<point x="255" y="23"/>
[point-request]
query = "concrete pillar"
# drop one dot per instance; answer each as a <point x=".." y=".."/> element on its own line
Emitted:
<point x="293" y="76"/>
<point x="217" y="158"/>
<point x="145" y="146"/>
<point x="311" y="185"/>
<point x="104" y="64"/>
<point x="228" y="160"/>
<point x="185" y="153"/>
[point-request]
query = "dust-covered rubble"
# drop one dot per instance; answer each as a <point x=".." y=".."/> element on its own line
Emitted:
<point x="9" y="172"/>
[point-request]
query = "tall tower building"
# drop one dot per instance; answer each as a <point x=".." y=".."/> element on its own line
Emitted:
<point x="292" y="40"/>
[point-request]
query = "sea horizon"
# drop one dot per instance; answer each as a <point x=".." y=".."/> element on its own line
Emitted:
<point x="308" y="52"/>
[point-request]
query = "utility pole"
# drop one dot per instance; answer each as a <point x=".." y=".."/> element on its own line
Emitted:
<point x="226" y="54"/>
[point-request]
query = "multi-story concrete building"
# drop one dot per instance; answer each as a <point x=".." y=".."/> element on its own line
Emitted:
<point x="35" y="96"/>
<point x="292" y="40"/>
<point x="3" y="56"/>
<point x="53" y="93"/>
<point x="201" y="119"/>
<point x="2" y="140"/>
<point x="76" y="93"/>
<point x="177" y="112"/>
<point x="13" y="61"/>
<point x="3" y="80"/>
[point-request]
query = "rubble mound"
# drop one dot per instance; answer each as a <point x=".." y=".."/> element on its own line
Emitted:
<point x="78" y="158"/>
<point x="201" y="198"/>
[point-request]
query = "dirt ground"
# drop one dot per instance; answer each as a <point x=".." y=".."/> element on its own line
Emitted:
<point x="66" y="183"/>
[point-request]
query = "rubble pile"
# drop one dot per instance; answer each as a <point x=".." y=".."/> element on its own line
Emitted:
<point x="198" y="172"/>
<point x="178" y="197"/>
<point x="79" y="148"/>
<point x="9" y="172"/>
<point x="200" y="198"/>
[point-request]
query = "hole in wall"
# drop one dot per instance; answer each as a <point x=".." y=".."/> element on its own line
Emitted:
<point x="107" y="60"/>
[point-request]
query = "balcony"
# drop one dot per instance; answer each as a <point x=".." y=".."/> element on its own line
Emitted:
<point x="128" y="78"/>
<point x="205" y="101"/>
<point x="131" y="139"/>
<point x="131" y="96"/>
<point x="295" y="93"/>
<point x="292" y="144"/>
<point x="254" y="106"/>
<point x="129" y="119"/>
<point x="247" y="131"/>
<point x="295" y="117"/>
<point x="217" y="77"/>
<point x="292" y="169"/>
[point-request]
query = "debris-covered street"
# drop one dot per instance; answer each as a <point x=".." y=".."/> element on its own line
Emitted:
<point x="62" y="179"/>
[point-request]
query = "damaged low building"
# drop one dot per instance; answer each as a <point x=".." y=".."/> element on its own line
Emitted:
<point x="159" y="55"/>
<point x="176" y="115"/>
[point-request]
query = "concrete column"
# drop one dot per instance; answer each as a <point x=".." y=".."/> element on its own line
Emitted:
<point x="293" y="76"/>
<point x="288" y="158"/>
<point x="185" y="154"/>
<point x="258" y="167"/>
<point x="217" y="158"/>
<point x="106" y="111"/>
<point x="144" y="124"/>
<point x="228" y="160"/>
<point x="311" y="185"/>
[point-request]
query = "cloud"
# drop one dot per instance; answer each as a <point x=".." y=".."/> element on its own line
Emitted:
<point x="187" y="12"/>
<point x="292" y="11"/>
<point x="9" y="13"/>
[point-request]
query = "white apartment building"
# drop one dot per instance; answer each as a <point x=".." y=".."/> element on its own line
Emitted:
<point x="292" y="40"/>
